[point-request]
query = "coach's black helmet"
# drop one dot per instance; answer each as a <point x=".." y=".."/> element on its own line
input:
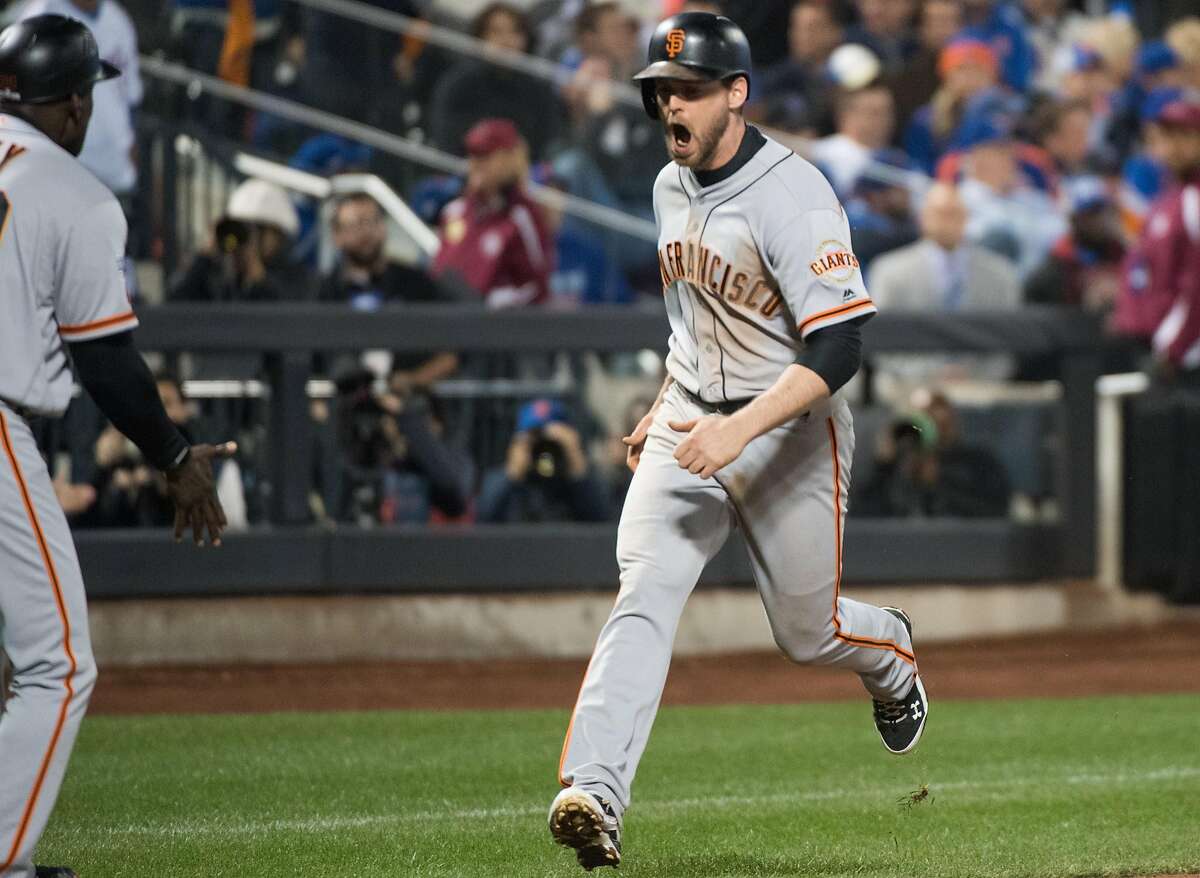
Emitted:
<point x="47" y="58"/>
<point x="694" y="45"/>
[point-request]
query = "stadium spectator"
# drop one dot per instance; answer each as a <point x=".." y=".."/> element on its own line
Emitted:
<point x="865" y="122"/>
<point x="924" y="468"/>
<point x="494" y="238"/>
<point x="1184" y="38"/>
<point x="761" y="21"/>
<point x="1158" y="67"/>
<point x="583" y="273"/>
<point x="886" y="28"/>
<point x="792" y="94"/>
<point x="1007" y="199"/>
<point x="1160" y="297"/>
<point x="1144" y="174"/>
<point x="127" y="492"/>
<point x="475" y="88"/>
<point x="1063" y="129"/>
<point x="880" y="213"/>
<point x="1084" y="268"/>
<point x="1000" y="24"/>
<point x="236" y="41"/>
<point x="616" y="150"/>
<point x="110" y="150"/>
<point x="247" y="258"/>
<point x="914" y="85"/>
<point x="1053" y="28"/>
<point x="968" y="71"/>
<point x="546" y="476"/>
<point x="395" y="465"/>
<point x="366" y="279"/>
<point x="363" y="275"/>
<point x="943" y="271"/>
<point x="606" y="35"/>
<point x="350" y="68"/>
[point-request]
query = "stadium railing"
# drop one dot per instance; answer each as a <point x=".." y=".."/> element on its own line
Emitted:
<point x="290" y="555"/>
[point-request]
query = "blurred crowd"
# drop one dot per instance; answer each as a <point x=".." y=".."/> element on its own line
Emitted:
<point x="990" y="154"/>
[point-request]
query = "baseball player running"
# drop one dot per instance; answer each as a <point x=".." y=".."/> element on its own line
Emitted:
<point x="62" y="247"/>
<point x="766" y="303"/>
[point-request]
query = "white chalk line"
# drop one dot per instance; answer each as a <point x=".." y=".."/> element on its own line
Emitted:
<point x="992" y="790"/>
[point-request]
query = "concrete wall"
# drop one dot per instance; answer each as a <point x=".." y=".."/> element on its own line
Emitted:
<point x="349" y="628"/>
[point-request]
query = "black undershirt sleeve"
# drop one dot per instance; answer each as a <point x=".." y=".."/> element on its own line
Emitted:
<point x="118" y="380"/>
<point x="834" y="353"/>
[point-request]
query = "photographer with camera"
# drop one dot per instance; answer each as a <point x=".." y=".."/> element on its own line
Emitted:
<point x="248" y="258"/>
<point x="546" y="477"/>
<point x="394" y="464"/>
<point x="923" y="467"/>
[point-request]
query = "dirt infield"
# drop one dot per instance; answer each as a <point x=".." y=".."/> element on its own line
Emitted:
<point x="1136" y="661"/>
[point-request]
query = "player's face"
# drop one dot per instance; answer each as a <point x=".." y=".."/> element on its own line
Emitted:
<point x="69" y="127"/>
<point x="360" y="231"/>
<point x="696" y="115"/>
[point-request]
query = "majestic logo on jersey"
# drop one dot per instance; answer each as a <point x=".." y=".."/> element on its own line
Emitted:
<point x="834" y="263"/>
<point x="704" y="268"/>
<point x="675" y="41"/>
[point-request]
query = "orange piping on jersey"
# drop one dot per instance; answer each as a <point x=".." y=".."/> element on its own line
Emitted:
<point x="6" y="208"/>
<point x="835" y="312"/>
<point x="79" y="328"/>
<point x="851" y="639"/>
<point x="562" y="759"/>
<point x="52" y="576"/>
<point x="13" y="152"/>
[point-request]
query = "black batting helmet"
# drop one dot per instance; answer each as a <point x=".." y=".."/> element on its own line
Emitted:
<point x="47" y="58"/>
<point x="694" y="45"/>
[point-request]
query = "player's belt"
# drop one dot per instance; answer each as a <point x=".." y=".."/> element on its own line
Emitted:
<point x="717" y="408"/>
<point x="25" y="413"/>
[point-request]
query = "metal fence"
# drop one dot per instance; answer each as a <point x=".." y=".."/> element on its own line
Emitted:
<point x="290" y="555"/>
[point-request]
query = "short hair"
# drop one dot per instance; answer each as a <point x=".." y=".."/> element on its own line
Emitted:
<point x="589" y="19"/>
<point x="352" y="198"/>
<point x="822" y="5"/>
<point x="1049" y="116"/>
<point x="481" y="21"/>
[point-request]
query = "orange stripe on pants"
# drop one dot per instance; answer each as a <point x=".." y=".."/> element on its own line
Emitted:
<point x="52" y="576"/>
<point x="851" y="639"/>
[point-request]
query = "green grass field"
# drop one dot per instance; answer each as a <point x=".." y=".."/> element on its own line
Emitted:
<point x="1107" y="786"/>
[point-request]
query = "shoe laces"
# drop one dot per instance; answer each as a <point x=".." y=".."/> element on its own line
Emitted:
<point x="891" y="711"/>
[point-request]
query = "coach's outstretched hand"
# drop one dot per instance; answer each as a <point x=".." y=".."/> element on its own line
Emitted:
<point x="191" y="488"/>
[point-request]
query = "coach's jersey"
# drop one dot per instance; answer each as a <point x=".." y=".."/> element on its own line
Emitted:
<point x="751" y="265"/>
<point x="62" y="252"/>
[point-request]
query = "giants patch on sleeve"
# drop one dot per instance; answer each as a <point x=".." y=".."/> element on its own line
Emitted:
<point x="833" y="263"/>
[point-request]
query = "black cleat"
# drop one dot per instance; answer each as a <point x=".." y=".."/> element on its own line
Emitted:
<point x="54" y="872"/>
<point x="900" y="723"/>
<point x="586" y="822"/>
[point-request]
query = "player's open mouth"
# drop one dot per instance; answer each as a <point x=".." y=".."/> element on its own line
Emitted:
<point x="681" y="137"/>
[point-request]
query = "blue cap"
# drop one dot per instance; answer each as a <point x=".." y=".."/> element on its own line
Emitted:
<point x="980" y="130"/>
<point x="1157" y="101"/>
<point x="539" y="413"/>
<point x="1156" y="57"/>
<point x="892" y="160"/>
<point x="1087" y="192"/>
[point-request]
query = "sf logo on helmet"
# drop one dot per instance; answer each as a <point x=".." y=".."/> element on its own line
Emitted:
<point x="675" y="42"/>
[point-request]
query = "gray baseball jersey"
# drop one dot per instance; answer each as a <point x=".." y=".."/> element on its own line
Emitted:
<point x="751" y="265"/>
<point x="62" y="255"/>
<point x="62" y="242"/>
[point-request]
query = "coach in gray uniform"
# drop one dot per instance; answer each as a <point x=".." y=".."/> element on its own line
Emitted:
<point x="62" y="248"/>
<point x="766" y="301"/>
